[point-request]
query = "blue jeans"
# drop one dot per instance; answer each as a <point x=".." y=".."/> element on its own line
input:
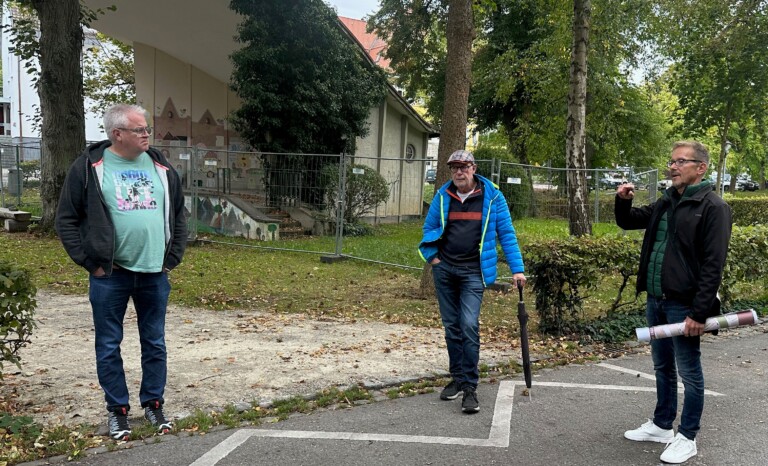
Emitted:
<point x="460" y="294"/>
<point x="109" y="299"/>
<point x="672" y="356"/>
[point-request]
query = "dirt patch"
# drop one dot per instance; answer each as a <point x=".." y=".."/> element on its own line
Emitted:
<point x="218" y="357"/>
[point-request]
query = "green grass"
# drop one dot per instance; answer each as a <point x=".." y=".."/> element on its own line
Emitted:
<point x="223" y="275"/>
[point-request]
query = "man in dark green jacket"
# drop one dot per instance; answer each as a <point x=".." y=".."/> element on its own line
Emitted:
<point x="686" y="241"/>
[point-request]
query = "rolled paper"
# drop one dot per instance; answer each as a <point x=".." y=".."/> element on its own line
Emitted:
<point x="731" y="320"/>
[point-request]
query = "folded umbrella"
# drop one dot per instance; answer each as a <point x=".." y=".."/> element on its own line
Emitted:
<point x="522" y="316"/>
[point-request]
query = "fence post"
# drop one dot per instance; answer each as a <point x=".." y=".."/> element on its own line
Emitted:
<point x="192" y="176"/>
<point x="596" y="184"/>
<point x="341" y="201"/>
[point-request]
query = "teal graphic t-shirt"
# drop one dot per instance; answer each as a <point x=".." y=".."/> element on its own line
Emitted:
<point x="135" y="197"/>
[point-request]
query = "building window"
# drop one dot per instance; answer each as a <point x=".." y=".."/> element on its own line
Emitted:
<point x="410" y="153"/>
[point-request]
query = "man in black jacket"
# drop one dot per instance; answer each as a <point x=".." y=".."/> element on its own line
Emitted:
<point x="681" y="266"/>
<point x="121" y="217"/>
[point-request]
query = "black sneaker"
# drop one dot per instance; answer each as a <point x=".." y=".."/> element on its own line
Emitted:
<point x="469" y="403"/>
<point x="153" y="412"/>
<point x="451" y="391"/>
<point x="117" y="420"/>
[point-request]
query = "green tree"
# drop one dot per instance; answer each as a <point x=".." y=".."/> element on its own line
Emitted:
<point x="719" y="56"/>
<point x="304" y="84"/>
<point x="416" y="48"/>
<point x="53" y="59"/>
<point x="109" y="76"/>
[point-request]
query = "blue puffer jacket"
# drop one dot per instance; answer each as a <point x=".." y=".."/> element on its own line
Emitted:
<point x="497" y="226"/>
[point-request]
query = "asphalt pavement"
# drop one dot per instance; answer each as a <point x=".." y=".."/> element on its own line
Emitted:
<point x="573" y="415"/>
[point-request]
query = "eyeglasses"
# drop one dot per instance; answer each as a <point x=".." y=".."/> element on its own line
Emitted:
<point x="680" y="162"/>
<point x="461" y="168"/>
<point x="139" y="131"/>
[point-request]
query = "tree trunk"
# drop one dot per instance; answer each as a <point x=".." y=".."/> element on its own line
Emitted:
<point x="578" y="214"/>
<point x="61" y="98"/>
<point x="460" y="31"/>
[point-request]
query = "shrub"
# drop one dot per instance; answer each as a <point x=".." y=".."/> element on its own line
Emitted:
<point x="564" y="270"/>
<point x="747" y="260"/>
<point x="17" y="308"/>
<point x="30" y="170"/>
<point x="749" y="210"/>
<point x="616" y="328"/>
<point x="365" y="189"/>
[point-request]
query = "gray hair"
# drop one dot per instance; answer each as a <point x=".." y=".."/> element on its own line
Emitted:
<point x="116" y="116"/>
<point x="700" y="151"/>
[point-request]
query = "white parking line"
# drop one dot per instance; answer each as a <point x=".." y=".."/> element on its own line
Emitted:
<point x="498" y="436"/>
<point x="648" y="376"/>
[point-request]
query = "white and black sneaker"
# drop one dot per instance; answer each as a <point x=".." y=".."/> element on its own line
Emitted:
<point x="451" y="391"/>
<point x="469" y="403"/>
<point x="117" y="420"/>
<point x="153" y="412"/>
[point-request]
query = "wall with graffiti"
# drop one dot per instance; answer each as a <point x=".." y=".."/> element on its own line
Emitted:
<point x="220" y="215"/>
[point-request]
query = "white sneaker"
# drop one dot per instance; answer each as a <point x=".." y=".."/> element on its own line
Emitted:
<point x="649" y="432"/>
<point x="680" y="450"/>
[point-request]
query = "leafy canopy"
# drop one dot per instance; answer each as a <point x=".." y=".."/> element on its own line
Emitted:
<point x="305" y="85"/>
<point x="108" y="73"/>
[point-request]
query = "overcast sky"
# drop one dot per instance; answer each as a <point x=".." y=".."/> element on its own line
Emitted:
<point x="355" y="9"/>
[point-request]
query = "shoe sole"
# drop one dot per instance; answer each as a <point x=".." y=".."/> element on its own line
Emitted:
<point x="448" y="398"/>
<point x="650" y="439"/>
<point x="470" y="410"/>
<point x="164" y="429"/>
<point x="678" y="461"/>
<point x="122" y="436"/>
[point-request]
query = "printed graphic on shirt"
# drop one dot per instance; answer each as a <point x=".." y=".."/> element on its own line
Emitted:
<point x="134" y="190"/>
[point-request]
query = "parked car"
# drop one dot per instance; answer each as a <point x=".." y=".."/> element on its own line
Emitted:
<point x="725" y="182"/>
<point x="430" y="175"/>
<point x="610" y="182"/>
<point x="663" y="184"/>
<point x="745" y="183"/>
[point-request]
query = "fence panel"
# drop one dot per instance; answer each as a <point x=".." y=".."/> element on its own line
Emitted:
<point x="263" y="197"/>
<point x="542" y="192"/>
<point x="293" y="202"/>
<point x="20" y="180"/>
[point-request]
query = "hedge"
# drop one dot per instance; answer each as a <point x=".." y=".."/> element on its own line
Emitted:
<point x="564" y="270"/>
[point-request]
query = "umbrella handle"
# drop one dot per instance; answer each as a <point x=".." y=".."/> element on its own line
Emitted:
<point x="520" y="289"/>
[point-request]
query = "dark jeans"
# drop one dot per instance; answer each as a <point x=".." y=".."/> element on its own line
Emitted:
<point x="672" y="356"/>
<point x="460" y="294"/>
<point x="109" y="299"/>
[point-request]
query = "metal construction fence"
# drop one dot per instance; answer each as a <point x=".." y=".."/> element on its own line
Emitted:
<point x="308" y="202"/>
<point x="20" y="176"/>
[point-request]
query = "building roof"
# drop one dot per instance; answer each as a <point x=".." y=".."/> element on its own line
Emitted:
<point x="371" y="43"/>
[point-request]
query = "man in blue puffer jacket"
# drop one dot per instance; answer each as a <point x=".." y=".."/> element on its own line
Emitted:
<point x="468" y="216"/>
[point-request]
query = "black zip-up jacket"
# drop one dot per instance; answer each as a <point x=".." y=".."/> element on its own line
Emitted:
<point x="699" y="230"/>
<point x="83" y="222"/>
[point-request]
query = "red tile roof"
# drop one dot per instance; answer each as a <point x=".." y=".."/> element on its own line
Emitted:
<point x="373" y="44"/>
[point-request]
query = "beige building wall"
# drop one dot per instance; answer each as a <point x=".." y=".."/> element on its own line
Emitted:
<point x="405" y="179"/>
<point x="190" y="108"/>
